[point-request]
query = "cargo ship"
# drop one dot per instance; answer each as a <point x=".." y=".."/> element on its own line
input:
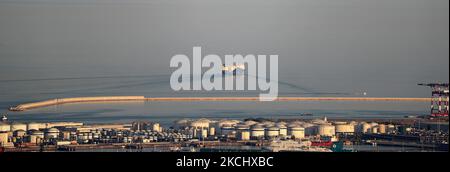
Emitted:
<point x="322" y="143"/>
<point x="337" y="146"/>
<point x="294" y="146"/>
<point x="233" y="69"/>
<point x="306" y="114"/>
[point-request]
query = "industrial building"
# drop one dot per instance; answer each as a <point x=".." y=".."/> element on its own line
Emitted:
<point x="316" y="132"/>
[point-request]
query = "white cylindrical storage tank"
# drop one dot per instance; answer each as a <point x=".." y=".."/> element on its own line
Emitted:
<point x="283" y="129"/>
<point x="345" y="128"/>
<point x="272" y="132"/>
<point x="5" y="127"/>
<point x="194" y="133"/>
<point x="244" y="135"/>
<point x="257" y="132"/>
<point x="268" y="124"/>
<point x="339" y="122"/>
<point x="3" y="138"/>
<point x="374" y="130"/>
<point x="227" y="125"/>
<point x="156" y="127"/>
<point x="366" y="128"/>
<point x="373" y="124"/>
<point x="96" y="136"/>
<point x="242" y="131"/>
<point x="225" y="130"/>
<point x="326" y="130"/>
<point x="390" y="128"/>
<point x="231" y="123"/>
<point x="52" y="133"/>
<point x="282" y="123"/>
<point x="18" y="126"/>
<point x="297" y="132"/>
<point x="203" y="133"/>
<point x="201" y="123"/>
<point x="34" y="126"/>
<point x="212" y="131"/>
<point x="36" y="136"/>
<point x="250" y="123"/>
<point x="382" y="128"/>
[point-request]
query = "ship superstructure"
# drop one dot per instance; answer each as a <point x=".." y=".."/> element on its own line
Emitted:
<point x="233" y="69"/>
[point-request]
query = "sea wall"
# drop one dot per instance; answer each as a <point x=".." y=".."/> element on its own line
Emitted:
<point x="52" y="102"/>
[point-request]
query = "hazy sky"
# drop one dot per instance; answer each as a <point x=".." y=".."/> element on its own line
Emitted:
<point x="383" y="46"/>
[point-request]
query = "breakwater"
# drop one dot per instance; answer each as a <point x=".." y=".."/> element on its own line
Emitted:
<point x="26" y="106"/>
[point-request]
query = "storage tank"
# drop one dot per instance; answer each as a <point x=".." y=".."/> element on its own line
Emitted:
<point x="3" y="138"/>
<point x="319" y="121"/>
<point x="203" y="133"/>
<point x="272" y="132"/>
<point x="4" y="127"/>
<point x="241" y="127"/>
<point x="65" y="135"/>
<point x="51" y="133"/>
<point x="183" y="123"/>
<point x="36" y="136"/>
<point x="339" y="122"/>
<point x="244" y="135"/>
<point x="250" y="123"/>
<point x="296" y="131"/>
<point x="382" y="128"/>
<point x="354" y="123"/>
<point x="374" y="130"/>
<point x="390" y="128"/>
<point x="373" y="124"/>
<point x="257" y="131"/>
<point x="282" y="123"/>
<point x="268" y="124"/>
<point x="156" y="127"/>
<point x="201" y="123"/>
<point x="326" y="130"/>
<point x="297" y="123"/>
<point x="310" y="129"/>
<point x="19" y="133"/>
<point x="366" y="128"/>
<point x="35" y="126"/>
<point x="212" y="131"/>
<point x="225" y="130"/>
<point x="38" y="133"/>
<point x="283" y="129"/>
<point x="18" y="126"/>
<point x="344" y="128"/>
<point x="227" y="123"/>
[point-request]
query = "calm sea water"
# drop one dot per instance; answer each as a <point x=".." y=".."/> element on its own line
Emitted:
<point x="19" y="91"/>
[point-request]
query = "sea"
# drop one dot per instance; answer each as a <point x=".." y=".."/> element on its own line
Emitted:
<point x="17" y="91"/>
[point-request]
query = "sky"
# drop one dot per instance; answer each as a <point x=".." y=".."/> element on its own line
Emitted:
<point x="382" y="47"/>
